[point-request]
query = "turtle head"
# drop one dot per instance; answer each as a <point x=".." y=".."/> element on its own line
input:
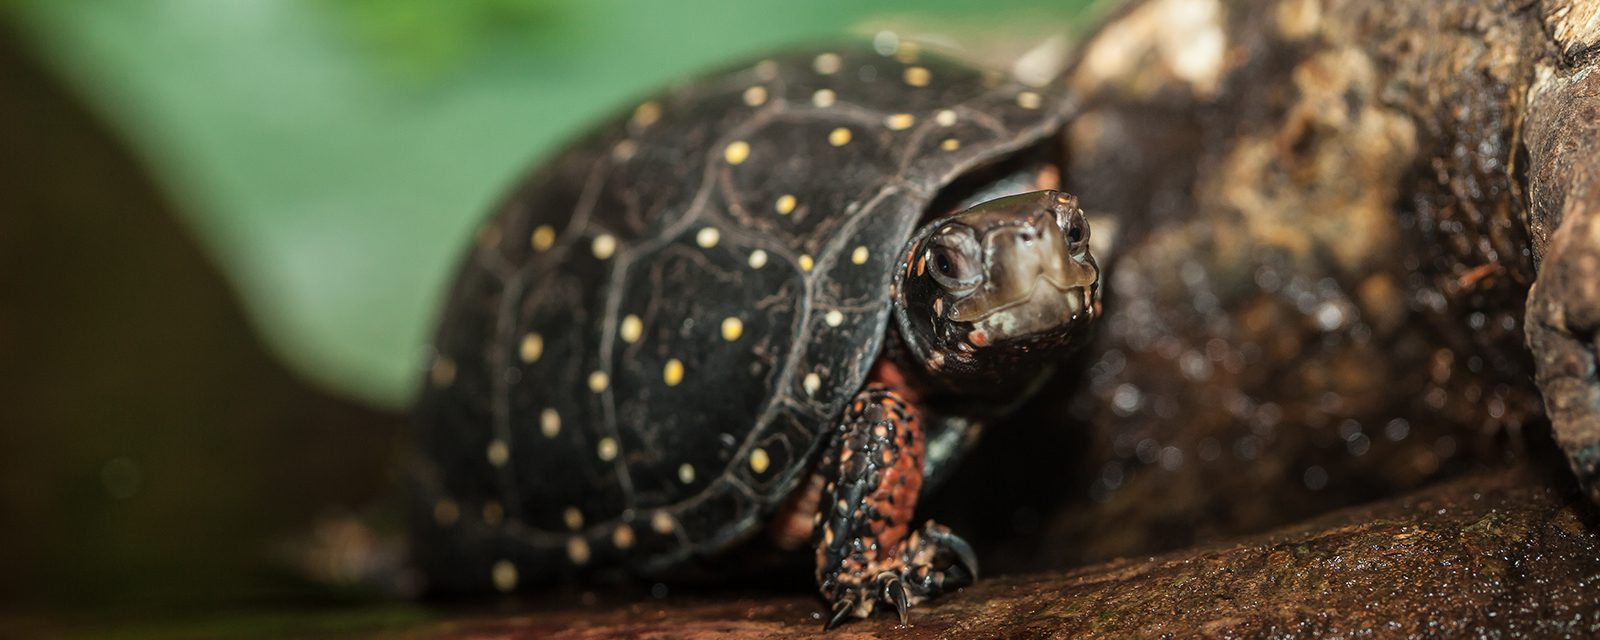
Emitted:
<point x="999" y="290"/>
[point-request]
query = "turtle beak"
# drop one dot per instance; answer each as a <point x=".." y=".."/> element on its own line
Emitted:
<point x="1034" y="285"/>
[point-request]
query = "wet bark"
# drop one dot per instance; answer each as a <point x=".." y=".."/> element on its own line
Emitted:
<point x="1563" y="138"/>
<point x="1505" y="554"/>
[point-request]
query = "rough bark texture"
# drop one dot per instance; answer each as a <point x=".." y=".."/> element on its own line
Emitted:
<point x="1564" y="191"/>
<point x="1497" y="555"/>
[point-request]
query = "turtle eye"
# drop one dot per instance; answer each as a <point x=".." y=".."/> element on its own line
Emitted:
<point x="953" y="262"/>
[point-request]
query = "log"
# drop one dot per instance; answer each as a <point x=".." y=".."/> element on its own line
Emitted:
<point x="1510" y="552"/>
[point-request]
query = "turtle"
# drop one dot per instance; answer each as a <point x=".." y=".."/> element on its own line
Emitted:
<point x="783" y="297"/>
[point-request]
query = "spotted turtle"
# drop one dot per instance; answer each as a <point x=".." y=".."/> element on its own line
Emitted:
<point x="783" y="295"/>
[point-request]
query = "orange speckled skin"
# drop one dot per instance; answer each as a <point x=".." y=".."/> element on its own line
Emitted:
<point x="867" y="552"/>
<point x="902" y="480"/>
<point x="865" y="513"/>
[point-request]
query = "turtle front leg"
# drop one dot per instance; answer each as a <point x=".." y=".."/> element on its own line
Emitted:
<point x="867" y="552"/>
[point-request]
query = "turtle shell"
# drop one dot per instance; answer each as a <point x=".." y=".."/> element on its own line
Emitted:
<point x="653" y="335"/>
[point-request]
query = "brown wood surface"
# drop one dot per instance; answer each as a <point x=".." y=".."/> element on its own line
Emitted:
<point x="1501" y="554"/>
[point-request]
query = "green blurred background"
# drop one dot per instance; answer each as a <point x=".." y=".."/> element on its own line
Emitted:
<point x="224" y="225"/>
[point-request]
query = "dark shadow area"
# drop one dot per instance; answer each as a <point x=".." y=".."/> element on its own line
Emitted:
<point x="152" y="452"/>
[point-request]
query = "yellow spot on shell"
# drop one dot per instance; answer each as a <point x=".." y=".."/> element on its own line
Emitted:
<point x="631" y="328"/>
<point x="647" y="114"/>
<point x="906" y="52"/>
<point x="900" y="121"/>
<point x="577" y="550"/>
<point x="950" y="144"/>
<point x="707" y="237"/>
<point x="607" y="449"/>
<point x="604" y="246"/>
<point x="544" y="236"/>
<point x="549" y="423"/>
<point x="1028" y="100"/>
<point x="598" y="381"/>
<point x="732" y="328"/>
<point x="755" y="96"/>
<point x="573" y="518"/>
<point x="446" y="512"/>
<point x="622" y="536"/>
<point x="532" y="347"/>
<point x="672" y="374"/>
<point x="759" y="460"/>
<point x="834" y="318"/>
<point x="504" y="575"/>
<point x="806" y="263"/>
<point x="945" y="118"/>
<point x="498" y="453"/>
<point x="493" y="513"/>
<point x="839" y="137"/>
<point x="917" y="76"/>
<point x="859" y="256"/>
<point x="686" y="473"/>
<point x="824" y="98"/>
<point x="785" y="204"/>
<point x="758" y="259"/>
<point x="736" y="152"/>
<point x="812" y="383"/>
<point x="443" y="371"/>
<point x="827" y="64"/>
<point x="661" y="522"/>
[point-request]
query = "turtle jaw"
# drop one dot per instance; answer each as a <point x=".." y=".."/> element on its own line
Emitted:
<point x="1047" y="315"/>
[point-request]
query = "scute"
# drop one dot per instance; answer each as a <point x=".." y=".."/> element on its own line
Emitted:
<point x="656" y="217"/>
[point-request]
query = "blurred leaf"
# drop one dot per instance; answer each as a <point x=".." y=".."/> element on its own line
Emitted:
<point x="425" y="37"/>
<point x="335" y="155"/>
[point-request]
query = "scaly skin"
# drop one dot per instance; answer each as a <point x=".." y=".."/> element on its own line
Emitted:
<point x="867" y="553"/>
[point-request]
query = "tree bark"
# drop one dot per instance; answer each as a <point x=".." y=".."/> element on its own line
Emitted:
<point x="1505" y="553"/>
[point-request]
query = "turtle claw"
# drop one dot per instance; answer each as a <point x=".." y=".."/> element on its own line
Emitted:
<point x="938" y="562"/>
<point x="963" y="567"/>
<point x="895" y="591"/>
<point x="931" y="562"/>
<point x="841" y="612"/>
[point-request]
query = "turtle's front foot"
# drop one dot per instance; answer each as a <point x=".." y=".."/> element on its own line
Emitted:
<point x="867" y="553"/>
<point x="931" y="562"/>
